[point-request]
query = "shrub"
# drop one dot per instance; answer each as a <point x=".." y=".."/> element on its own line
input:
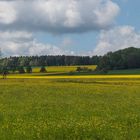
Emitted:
<point x="21" y="69"/>
<point x="29" y="69"/>
<point x="71" y="73"/>
<point x="4" y="70"/>
<point x="13" y="69"/>
<point x="83" y="69"/>
<point x="103" y="71"/>
<point x="43" y="69"/>
<point x="78" y="69"/>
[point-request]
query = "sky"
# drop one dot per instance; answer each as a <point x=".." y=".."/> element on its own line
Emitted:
<point x="68" y="27"/>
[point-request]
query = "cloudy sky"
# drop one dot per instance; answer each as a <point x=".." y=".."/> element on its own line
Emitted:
<point x="71" y="27"/>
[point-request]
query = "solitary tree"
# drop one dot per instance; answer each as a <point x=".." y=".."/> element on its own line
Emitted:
<point x="21" y="69"/>
<point x="43" y="69"/>
<point x="29" y="69"/>
<point x="0" y="53"/>
<point x="1" y="69"/>
<point x="4" y="72"/>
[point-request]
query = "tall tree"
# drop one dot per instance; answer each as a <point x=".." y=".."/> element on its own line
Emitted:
<point x="0" y="53"/>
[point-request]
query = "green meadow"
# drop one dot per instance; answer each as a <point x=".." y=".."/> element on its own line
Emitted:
<point x="70" y="109"/>
<point x="124" y="72"/>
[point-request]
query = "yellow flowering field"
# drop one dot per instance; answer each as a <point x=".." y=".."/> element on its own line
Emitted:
<point x="56" y="69"/>
<point x="30" y="76"/>
<point x="78" y="108"/>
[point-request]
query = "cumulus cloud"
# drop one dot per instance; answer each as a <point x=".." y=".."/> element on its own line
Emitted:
<point x="23" y="43"/>
<point x="117" y="38"/>
<point x="21" y="19"/>
<point x="7" y="13"/>
<point x="63" y="16"/>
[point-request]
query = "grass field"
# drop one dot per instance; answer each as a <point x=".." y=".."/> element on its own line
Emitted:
<point x="129" y="71"/>
<point x="70" y="108"/>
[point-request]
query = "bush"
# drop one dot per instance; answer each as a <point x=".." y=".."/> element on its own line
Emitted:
<point x="1" y="69"/>
<point x="71" y="73"/>
<point x="83" y="69"/>
<point x="78" y="69"/>
<point x="13" y="69"/>
<point x="43" y="69"/>
<point x="103" y="71"/>
<point x="4" y="70"/>
<point x="29" y="69"/>
<point x="21" y="69"/>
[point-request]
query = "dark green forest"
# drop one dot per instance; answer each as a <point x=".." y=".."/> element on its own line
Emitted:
<point x="49" y="61"/>
<point x="128" y="58"/>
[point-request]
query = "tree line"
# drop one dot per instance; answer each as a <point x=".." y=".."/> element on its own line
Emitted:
<point x="128" y="58"/>
<point x="48" y="61"/>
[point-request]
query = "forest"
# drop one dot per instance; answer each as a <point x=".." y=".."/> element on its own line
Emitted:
<point x="128" y="58"/>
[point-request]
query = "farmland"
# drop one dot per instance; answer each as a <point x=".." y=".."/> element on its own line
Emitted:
<point x="69" y="70"/>
<point x="65" y="104"/>
<point x="62" y="69"/>
<point x="126" y="72"/>
<point x="98" y="107"/>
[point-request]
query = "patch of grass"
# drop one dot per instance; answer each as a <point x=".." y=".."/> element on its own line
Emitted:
<point x="129" y="71"/>
<point x="68" y="109"/>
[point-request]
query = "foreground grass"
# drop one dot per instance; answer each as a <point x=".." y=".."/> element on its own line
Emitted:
<point x="84" y="109"/>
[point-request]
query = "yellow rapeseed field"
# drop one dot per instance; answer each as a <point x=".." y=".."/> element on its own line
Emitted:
<point x="75" y="77"/>
<point x="97" y="108"/>
<point x="63" y="68"/>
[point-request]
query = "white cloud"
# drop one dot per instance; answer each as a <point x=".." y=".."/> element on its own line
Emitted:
<point x="7" y="12"/>
<point x="45" y="49"/>
<point x="23" y="43"/>
<point x="15" y="35"/>
<point x="63" y="16"/>
<point x="117" y="38"/>
<point x="21" y="19"/>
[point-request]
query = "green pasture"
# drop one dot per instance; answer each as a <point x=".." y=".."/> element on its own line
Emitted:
<point x="70" y="109"/>
<point x="129" y="71"/>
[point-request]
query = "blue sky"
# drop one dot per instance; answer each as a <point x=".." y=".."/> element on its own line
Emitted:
<point x="91" y="27"/>
<point x="129" y="13"/>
